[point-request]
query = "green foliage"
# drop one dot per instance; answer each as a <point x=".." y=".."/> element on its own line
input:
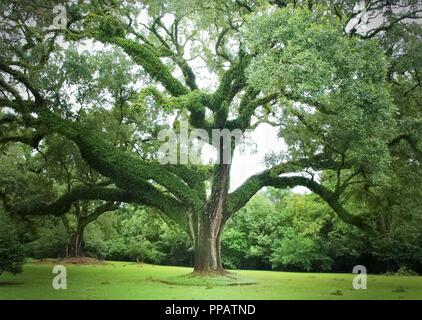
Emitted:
<point x="248" y="237"/>
<point x="287" y="231"/>
<point x="94" y="243"/>
<point x="137" y="235"/>
<point x="104" y="27"/>
<point x="296" y="251"/>
<point x="333" y="88"/>
<point x="404" y="271"/>
<point x="11" y="249"/>
<point x="19" y="181"/>
<point x="140" y="235"/>
<point x="50" y="241"/>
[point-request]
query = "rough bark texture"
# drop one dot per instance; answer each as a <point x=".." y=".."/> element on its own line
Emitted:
<point x="207" y="234"/>
<point x="207" y="249"/>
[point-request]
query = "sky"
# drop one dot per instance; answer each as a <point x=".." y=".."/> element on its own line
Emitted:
<point x="245" y="164"/>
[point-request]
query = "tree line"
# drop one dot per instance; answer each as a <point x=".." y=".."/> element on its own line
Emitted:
<point x="276" y="230"/>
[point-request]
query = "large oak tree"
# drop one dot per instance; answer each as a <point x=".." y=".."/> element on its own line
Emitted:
<point x="288" y="63"/>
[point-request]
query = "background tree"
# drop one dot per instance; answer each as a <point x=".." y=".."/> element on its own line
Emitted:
<point x="11" y="249"/>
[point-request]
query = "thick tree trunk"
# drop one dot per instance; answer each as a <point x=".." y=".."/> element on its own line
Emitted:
<point x="207" y="249"/>
<point x="206" y="228"/>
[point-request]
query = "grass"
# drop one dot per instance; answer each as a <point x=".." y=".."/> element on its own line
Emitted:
<point x="120" y="280"/>
<point x="230" y="279"/>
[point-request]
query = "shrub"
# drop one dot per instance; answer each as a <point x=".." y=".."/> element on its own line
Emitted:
<point x="50" y="243"/>
<point x="95" y="245"/>
<point x="405" y="271"/>
<point x="11" y="250"/>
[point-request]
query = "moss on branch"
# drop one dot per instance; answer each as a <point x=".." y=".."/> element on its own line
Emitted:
<point x="147" y="195"/>
<point x="146" y="57"/>
<point x="123" y="168"/>
<point x="241" y="195"/>
<point x="63" y="204"/>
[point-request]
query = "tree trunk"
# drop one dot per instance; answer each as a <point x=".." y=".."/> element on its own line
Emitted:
<point x="207" y="248"/>
<point x="77" y="242"/>
<point x="206" y="228"/>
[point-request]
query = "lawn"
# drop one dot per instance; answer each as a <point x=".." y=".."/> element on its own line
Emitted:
<point x="120" y="280"/>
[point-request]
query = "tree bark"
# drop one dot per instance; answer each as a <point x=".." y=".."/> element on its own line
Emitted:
<point x="208" y="249"/>
<point x="206" y="230"/>
<point x="77" y="242"/>
<point x="83" y="218"/>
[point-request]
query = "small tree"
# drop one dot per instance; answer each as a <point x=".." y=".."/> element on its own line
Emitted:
<point x="11" y="250"/>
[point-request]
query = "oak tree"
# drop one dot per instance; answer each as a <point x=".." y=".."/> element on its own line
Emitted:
<point x="292" y="64"/>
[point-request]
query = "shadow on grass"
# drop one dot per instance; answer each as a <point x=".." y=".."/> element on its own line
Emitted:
<point x="227" y="279"/>
<point x="10" y="283"/>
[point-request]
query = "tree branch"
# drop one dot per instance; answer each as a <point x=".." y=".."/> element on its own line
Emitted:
<point x="241" y="196"/>
<point x="147" y="195"/>
<point x="149" y="59"/>
<point x="22" y="79"/>
<point x="127" y="171"/>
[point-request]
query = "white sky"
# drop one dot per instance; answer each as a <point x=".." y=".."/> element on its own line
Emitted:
<point x="248" y="163"/>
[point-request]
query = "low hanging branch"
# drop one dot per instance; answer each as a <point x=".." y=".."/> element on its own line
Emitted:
<point x="241" y="196"/>
<point x="148" y="196"/>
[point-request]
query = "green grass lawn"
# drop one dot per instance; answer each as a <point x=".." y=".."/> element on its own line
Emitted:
<point x="120" y="280"/>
